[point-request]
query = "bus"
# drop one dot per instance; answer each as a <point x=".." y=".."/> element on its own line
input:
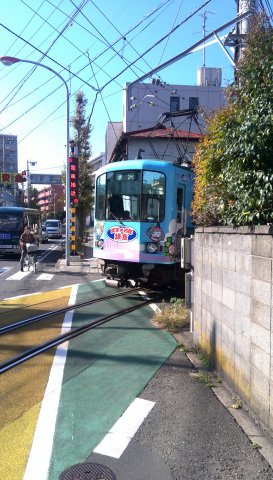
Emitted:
<point x="12" y="223"/>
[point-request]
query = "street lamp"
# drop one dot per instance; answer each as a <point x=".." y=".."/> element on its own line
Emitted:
<point x="8" y="61"/>
<point x="29" y="162"/>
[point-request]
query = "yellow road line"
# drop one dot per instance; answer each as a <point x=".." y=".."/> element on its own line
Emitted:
<point x="22" y="389"/>
<point x="15" y="440"/>
<point x="32" y="299"/>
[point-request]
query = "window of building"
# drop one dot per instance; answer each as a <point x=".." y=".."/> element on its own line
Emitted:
<point x="193" y="103"/>
<point x="174" y="104"/>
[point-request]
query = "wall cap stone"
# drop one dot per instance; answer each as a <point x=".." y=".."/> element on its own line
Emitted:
<point x="246" y="230"/>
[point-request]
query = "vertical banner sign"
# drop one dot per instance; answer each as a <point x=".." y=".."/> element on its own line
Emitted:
<point x="73" y="231"/>
<point x="74" y="180"/>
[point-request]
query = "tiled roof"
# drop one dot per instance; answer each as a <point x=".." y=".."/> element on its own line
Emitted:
<point x="162" y="132"/>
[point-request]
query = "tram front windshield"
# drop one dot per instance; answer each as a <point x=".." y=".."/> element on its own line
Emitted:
<point x="131" y="195"/>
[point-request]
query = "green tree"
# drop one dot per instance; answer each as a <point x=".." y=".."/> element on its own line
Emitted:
<point x="233" y="162"/>
<point x="82" y="133"/>
<point x="33" y="197"/>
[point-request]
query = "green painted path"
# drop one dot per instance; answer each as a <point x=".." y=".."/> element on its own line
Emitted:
<point x="106" y="369"/>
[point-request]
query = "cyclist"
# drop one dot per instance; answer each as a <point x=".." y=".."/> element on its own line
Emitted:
<point x="26" y="237"/>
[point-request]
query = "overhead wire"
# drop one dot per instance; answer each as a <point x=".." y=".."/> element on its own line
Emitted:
<point x="125" y="40"/>
<point x="110" y="45"/>
<point x="88" y="122"/>
<point x="129" y="31"/>
<point x="154" y="45"/>
<point x="28" y="75"/>
<point x="47" y="56"/>
<point x="158" y="42"/>
<point x="168" y="38"/>
<point x="84" y="82"/>
<point x="112" y="79"/>
<point x="25" y="27"/>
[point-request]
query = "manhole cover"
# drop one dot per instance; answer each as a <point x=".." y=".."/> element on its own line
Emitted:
<point x="88" y="471"/>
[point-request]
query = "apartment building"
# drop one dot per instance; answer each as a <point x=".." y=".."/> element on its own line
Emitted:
<point x="51" y="201"/>
<point x="149" y="105"/>
<point x="8" y="154"/>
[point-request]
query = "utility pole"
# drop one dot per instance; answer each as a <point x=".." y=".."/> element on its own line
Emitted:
<point x="243" y="27"/>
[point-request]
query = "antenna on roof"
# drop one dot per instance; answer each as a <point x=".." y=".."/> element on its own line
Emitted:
<point x="204" y="16"/>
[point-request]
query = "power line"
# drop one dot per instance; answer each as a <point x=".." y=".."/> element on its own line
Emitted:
<point x="84" y="82"/>
<point x="20" y="86"/>
<point x="47" y="56"/>
<point x="159" y="41"/>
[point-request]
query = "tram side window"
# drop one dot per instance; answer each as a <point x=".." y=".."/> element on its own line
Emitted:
<point x="100" y="197"/>
<point x="179" y="203"/>
<point x="153" y="197"/>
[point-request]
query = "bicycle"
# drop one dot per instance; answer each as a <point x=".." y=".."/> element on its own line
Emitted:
<point x="30" y="258"/>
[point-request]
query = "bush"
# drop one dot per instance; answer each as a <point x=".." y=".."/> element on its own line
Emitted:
<point x="233" y="162"/>
<point x="173" y="316"/>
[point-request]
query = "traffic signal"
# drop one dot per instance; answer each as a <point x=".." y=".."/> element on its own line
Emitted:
<point x="19" y="178"/>
<point x="24" y="173"/>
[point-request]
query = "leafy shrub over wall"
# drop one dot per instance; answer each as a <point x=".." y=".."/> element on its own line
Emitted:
<point x="234" y="160"/>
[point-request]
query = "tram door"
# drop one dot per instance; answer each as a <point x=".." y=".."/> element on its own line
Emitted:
<point x="180" y="219"/>
<point x="180" y="210"/>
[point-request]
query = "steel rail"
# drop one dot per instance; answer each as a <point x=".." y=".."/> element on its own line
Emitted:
<point x="38" y="349"/>
<point x="42" y="316"/>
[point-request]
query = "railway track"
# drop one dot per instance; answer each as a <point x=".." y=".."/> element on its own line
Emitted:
<point x="38" y="318"/>
<point x="28" y="354"/>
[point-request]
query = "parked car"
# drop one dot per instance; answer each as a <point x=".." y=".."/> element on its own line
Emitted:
<point x="44" y="234"/>
<point x="54" y="228"/>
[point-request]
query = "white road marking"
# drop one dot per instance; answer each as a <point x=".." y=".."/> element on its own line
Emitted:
<point x="69" y="286"/>
<point x="19" y="275"/>
<point x="120" y="435"/>
<point x="39" y="458"/>
<point x="22" y="296"/>
<point x="45" y="276"/>
<point x="4" y="269"/>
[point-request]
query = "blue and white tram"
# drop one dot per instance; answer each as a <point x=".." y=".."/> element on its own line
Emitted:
<point x="142" y="211"/>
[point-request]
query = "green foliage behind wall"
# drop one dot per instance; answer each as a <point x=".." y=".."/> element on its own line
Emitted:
<point x="234" y="160"/>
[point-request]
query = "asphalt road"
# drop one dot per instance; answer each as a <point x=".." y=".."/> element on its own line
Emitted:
<point x="48" y="276"/>
<point x="188" y="435"/>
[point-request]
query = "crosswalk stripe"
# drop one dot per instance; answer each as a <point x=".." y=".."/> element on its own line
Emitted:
<point x="45" y="276"/>
<point x="18" y="275"/>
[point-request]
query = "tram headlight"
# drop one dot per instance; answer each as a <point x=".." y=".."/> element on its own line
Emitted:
<point x="151" y="248"/>
<point x="100" y="243"/>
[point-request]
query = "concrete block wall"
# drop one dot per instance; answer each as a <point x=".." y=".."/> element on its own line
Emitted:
<point x="233" y="309"/>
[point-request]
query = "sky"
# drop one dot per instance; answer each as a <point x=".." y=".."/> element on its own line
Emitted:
<point x="95" y="46"/>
